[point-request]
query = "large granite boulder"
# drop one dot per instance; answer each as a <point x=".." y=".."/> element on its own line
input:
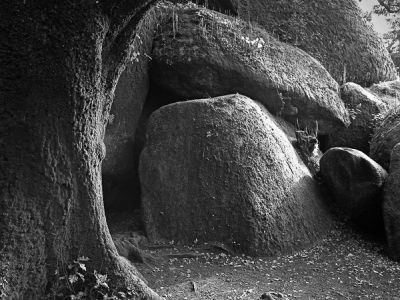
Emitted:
<point x="120" y="179"/>
<point x="363" y="107"/>
<point x="391" y="204"/>
<point x="355" y="182"/>
<point x="385" y="137"/>
<point x="221" y="169"/>
<point x="333" y="32"/>
<point x="201" y="53"/>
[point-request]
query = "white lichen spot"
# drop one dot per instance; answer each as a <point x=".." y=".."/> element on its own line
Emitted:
<point x="257" y="43"/>
<point x="135" y="56"/>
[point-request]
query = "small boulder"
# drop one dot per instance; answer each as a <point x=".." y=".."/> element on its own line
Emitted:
<point x="386" y="136"/>
<point x="391" y="205"/>
<point x="356" y="183"/>
<point x="220" y="169"/>
<point x="363" y="106"/>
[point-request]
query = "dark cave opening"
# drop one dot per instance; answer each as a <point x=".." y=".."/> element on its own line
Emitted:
<point x="122" y="192"/>
<point x="323" y="140"/>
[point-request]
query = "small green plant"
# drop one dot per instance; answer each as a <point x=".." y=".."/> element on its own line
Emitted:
<point x="75" y="282"/>
<point x="307" y="146"/>
<point x="354" y="112"/>
<point x="286" y="106"/>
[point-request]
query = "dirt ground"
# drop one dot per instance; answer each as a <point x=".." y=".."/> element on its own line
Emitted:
<point x="344" y="265"/>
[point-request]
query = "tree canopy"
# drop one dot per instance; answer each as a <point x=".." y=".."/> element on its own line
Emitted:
<point x="391" y="10"/>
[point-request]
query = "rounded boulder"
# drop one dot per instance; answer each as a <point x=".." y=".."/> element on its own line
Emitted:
<point x="355" y="182"/>
<point x="220" y="169"/>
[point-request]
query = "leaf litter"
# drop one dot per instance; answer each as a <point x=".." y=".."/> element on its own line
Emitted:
<point x="344" y="265"/>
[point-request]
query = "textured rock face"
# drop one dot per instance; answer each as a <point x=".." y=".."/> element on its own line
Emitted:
<point x="388" y="92"/>
<point x="396" y="59"/>
<point x="391" y="205"/>
<point x="228" y="7"/>
<point x="221" y="170"/>
<point x="385" y="137"/>
<point x="355" y="182"/>
<point x="118" y="168"/>
<point x="207" y="54"/>
<point x="331" y="31"/>
<point x="363" y="107"/>
<point x="387" y="124"/>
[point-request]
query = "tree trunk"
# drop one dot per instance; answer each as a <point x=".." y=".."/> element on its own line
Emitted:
<point x="59" y="64"/>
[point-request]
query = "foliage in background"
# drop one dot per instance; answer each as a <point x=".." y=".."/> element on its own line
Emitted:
<point x="390" y="9"/>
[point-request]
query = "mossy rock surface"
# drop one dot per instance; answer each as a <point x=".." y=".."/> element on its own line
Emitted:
<point x="386" y="136"/>
<point x="206" y="54"/>
<point x="333" y="32"/>
<point x="221" y="170"/>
